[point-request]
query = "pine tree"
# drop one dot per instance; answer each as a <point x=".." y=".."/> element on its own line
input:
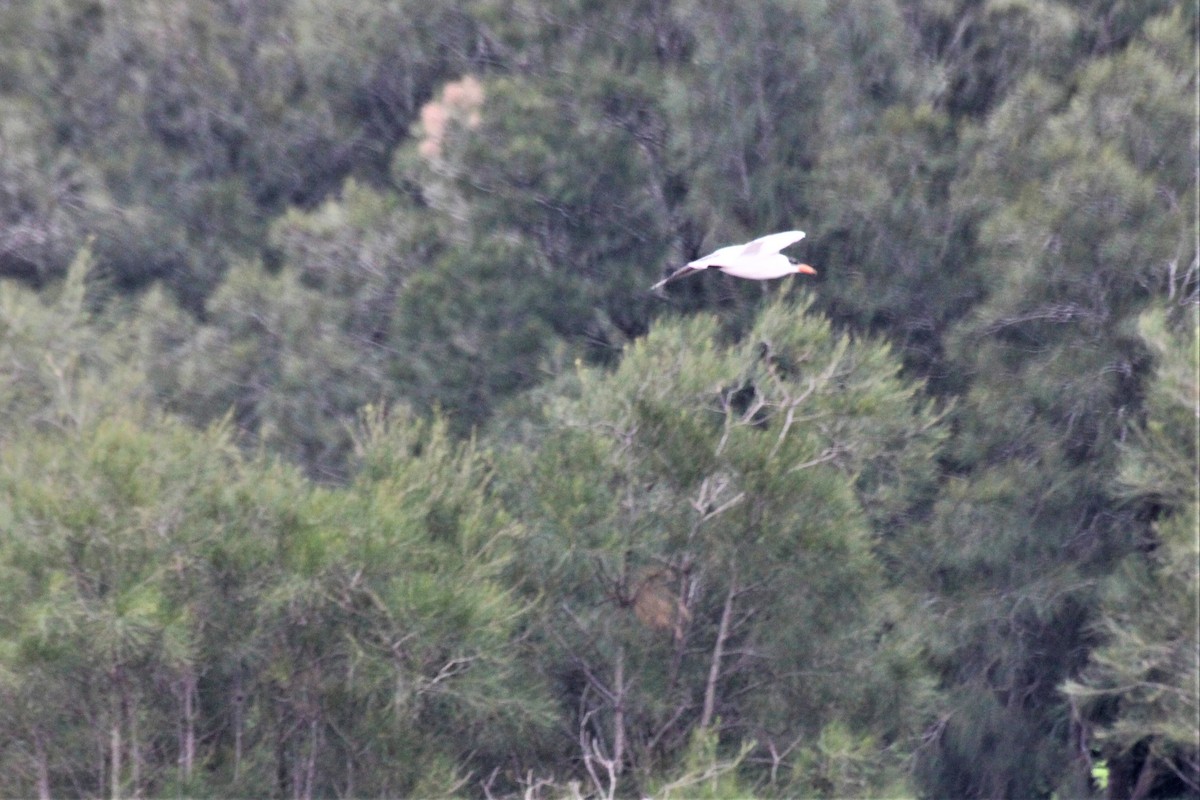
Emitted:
<point x="1140" y="691"/>
<point x="706" y="519"/>
<point x="1086" y="215"/>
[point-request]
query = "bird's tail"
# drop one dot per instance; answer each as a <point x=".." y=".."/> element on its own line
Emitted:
<point x="684" y="270"/>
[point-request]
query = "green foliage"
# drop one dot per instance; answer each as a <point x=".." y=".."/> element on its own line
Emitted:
<point x="1139" y="687"/>
<point x="103" y="525"/>
<point x="271" y="356"/>
<point x="703" y="773"/>
<point x="553" y="213"/>
<point x="887" y="230"/>
<point x="221" y="626"/>
<point x="1078" y="231"/>
<point x="472" y="330"/>
<point x="195" y="123"/>
<point x="60" y="365"/>
<point x="699" y="513"/>
<point x="616" y="545"/>
<point x="842" y="764"/>
<point x="295" y="353"/>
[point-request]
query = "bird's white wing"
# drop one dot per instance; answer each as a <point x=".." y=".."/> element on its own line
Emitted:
<point x="771" y="243"/>
<point x="725" y="255"/>
<point x="728" y="256"/>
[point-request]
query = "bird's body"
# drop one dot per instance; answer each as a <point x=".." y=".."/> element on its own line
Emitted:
<point x="759" y="260"/>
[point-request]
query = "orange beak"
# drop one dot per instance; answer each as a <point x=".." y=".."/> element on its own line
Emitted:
<point x="806" y="269"/>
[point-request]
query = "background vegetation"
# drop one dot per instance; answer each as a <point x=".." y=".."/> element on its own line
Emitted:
<point x="343" y="451"/>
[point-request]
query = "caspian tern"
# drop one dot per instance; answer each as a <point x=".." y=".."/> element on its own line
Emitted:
<point x="759" y="260"/>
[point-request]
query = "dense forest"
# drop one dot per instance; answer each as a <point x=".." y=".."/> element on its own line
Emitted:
<point x="344" y="451"/>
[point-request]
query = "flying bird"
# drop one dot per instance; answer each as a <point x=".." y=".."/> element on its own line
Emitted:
<point x="759" y="260"/>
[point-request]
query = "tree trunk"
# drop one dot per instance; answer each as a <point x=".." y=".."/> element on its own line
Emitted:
<point x="714" y="669"/>
<point x="310" y="764"/>
<point x="135" y="750"/>
<point x="1145" y="779"/>
<point x="43" y="766"/>
<point x="187" y="749"/>
<point x="116" y="742"/>
<point x="619" y="710"/>
<point x="238" y="704"/>
<point x="680" y="629"/>
<point x="114" y="750"/>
